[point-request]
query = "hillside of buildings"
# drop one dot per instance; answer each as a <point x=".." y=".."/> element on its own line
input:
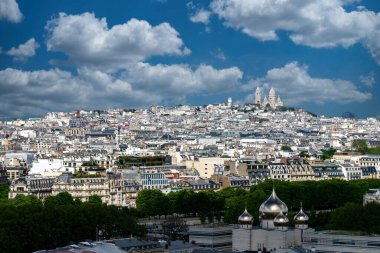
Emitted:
<point x="202" y="162"/>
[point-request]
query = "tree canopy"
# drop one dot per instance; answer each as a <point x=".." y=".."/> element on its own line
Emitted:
<point x="27" y="224"/>
<point x="360" y="146"/>
<point x="286" y="148"/>
<point x="328" y="153"/>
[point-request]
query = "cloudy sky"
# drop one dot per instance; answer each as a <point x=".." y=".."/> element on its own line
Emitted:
<point x="322" y="55"/>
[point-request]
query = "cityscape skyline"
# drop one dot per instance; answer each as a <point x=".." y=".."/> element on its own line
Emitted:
<point x="93" y="55"/>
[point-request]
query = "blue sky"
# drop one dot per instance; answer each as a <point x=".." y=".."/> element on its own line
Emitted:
<point x="322" y="55"/>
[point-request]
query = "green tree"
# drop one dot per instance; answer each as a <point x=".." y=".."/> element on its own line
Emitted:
<point x="22" y="200"/>
<point x="153" y="202"/>
<point x="360" y="146"/>
<point x="374" y="150"/>
<point x="286" y="148"/>
<point x="304" y="154"/>
<point x="95" y="199"/>
<point x="4" y="189"/>
<point x="202" y="217"/>
<point x="328" y="153"/>
<point x="27" y="226"/>
<point x="62" y="198"/>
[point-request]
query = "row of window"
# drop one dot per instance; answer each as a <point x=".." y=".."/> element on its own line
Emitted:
<point x="152" y="176"/>
<point x="154" y="182"/>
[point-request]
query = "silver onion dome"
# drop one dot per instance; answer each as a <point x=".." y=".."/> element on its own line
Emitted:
<point x="272" y="207"/>
<point x="301" y="217"/>
<point x="281" y="220"/>
<point x="245" y="218"/>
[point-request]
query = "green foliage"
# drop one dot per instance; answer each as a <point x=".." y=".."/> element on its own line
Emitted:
<point x="286" y="148"/>
<point x="153" y="202"/>
<point x="285" y="108"/>
<point x="22" y="200"/>
<point x="202" y="217"/>
<point x="26" y="225"/>
<point x="328" y="153"/>
<point x="318" y="195"/>
<point x="366" y="218"/>
<point x="304" y="154"/>
<point x="325" y="195"/>
<point x="360" y="146"/>
<point x="374" y="151"/>
<point x="95" y="199"/>
<point x="4" y="189"/>
<point x="62" y="198"/>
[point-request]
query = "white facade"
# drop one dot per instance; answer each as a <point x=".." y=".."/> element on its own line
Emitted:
<point x="351" y="171"/>
<point x="272" y="99"/>
<point x="258" y="239"/>
<point x="47" y="166"/>
<point x="258" y="96"/>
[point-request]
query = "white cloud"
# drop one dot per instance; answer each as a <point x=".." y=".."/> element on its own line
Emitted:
<point x="201" y="16"/>
<point x="88" y="40"/>
<point x="10" y="11"/>
<point x="372" y="41"/>
<point x="314" y="23"/>
<point x="174" y="80"/>
<point x="219" y="54"/>
<point x="295" y="86"/>
<point x="368" y="80"/>
<point x="24" y="51"/>
<point x="35" y="92"/>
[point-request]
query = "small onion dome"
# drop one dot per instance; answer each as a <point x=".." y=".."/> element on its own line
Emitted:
<point x="301" y="217"/>
<point x="272" y="207"/>
<point x="245" y="218"/>
<point x="281" y="220"/>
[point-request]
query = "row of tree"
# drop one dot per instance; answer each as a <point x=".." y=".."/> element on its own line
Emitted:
<point x="27" y="224"/>
<point x="355" y="217"/>
<point x="316" y="196"/>
<point x="362" y="147"/>
<point x="156" y="203"/>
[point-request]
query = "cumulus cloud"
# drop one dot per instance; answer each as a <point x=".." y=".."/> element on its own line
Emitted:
<point x="314" y="23"/>
<point x="372" y="41"/>
<point x="10" y="11"/>
<point x="368" y="80"/>
<point x="201" y="16"/>
<point x="36" y="92"/>
<point x="295" y="86"/>
<point x="87" y="40"/>
<point x="174" y="80"/>
<point x="24" y="51"/>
